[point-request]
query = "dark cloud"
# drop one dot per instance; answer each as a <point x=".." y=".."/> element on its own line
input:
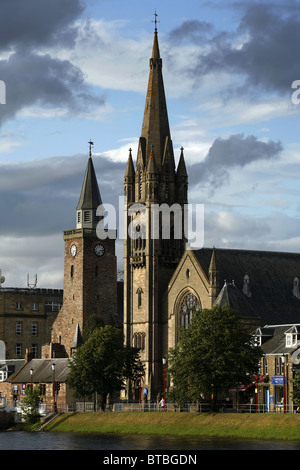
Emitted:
<point x="39" y="198"/>
<point x="262" y="50"/>
<point x="36" y="23"/>
<point x="192" y="30"/>
<point x="225" y="154"/>
<point x="33" y="76"/>
<point x="41" y="80"/>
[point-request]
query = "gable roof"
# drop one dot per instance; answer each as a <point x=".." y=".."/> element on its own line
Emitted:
<point x="271" y="276"/>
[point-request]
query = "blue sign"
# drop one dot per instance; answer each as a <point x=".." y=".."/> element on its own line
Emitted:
<point x="278" y="380"/>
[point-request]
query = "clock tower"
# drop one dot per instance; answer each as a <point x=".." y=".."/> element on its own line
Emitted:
<point x="90" y="269"/>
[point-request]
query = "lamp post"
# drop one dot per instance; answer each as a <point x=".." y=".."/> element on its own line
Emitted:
<point x="53" y="386"/>
<point x="283" y="380"/>
<point x="31" y="372"/>
<point x="164" y="365"/>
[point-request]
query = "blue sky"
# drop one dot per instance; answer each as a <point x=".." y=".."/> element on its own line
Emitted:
<point x="76" y="71"/>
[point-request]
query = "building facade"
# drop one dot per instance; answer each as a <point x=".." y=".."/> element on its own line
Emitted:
<point x="27" y="317"/>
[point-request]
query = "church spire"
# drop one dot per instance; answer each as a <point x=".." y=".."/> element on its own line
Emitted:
<point x="155" y="127"/>
<point x="90" y="197"/>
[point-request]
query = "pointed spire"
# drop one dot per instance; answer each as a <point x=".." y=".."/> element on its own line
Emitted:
<point x="130" y="168"/>
<point x="213" y="264"/>
<point x="155" y="49"/>
<point x="151" y="168"/>
<point x="181" y="168"/>
<point x="90" y="197"/>
<point x="155" y="128"/>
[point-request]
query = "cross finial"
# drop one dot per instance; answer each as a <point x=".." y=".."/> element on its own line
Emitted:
<point x="155" y="20"/>
<point x="91" y="144"/>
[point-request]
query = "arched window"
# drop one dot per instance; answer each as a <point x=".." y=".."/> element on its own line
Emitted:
<point x="188" y="306"/>
<point x="139" y="294"/>
<point x="139" y="340"/>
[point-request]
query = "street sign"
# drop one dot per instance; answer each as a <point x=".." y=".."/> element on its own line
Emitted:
<point x="278" y="380"/>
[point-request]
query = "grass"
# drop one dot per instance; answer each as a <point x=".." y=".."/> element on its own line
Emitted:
<point x="248" y="426"/>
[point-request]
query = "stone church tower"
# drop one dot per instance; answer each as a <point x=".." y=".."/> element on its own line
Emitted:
<point x="153" y="247"/>
<point x="90" y="271"/>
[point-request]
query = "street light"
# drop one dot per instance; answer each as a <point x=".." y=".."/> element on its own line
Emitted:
<point x="164" y="361"/>
<point x="53" y="386"/>
<point x="31" y="372"/>
<point x="283" y="381"/>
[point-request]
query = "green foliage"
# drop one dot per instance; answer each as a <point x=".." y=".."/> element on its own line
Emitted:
<point x="214" y="354"/>
<point x="102" y="363"/>
<point x="92" y="323"/>
<point x="295" y="394"/>
<point x="30" y="405"/>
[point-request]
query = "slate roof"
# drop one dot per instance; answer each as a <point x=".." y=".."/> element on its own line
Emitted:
<point x="274" y="339"/>
<point x="271" y="276"/>
<point x="42" y="371"/>
<point x="230" y="295"/>
<point x="90" y="195"/>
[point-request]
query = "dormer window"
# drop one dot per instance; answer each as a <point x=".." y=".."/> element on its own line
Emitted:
<point x="291" y="337"/>
<point x="288" y="340"/>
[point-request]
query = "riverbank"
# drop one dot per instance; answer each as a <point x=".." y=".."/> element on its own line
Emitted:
<point x="222" y="425"/>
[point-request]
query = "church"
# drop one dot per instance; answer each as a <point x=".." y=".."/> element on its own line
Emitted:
<point x="165" y="281"/>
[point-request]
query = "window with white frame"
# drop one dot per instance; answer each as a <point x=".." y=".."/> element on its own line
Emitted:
<point x="3" y="375"/>
<point x="288" y="340"/>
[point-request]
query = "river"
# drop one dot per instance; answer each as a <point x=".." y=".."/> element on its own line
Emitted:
<point x="21" y="440"/>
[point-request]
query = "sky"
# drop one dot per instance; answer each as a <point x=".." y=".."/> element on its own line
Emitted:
<point x="78" y="70"/>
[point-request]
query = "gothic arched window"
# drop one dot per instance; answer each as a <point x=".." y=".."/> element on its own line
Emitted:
<point x="139" y="294"/>
<point x="188" y="307"/>
<point x="139" y="340"/>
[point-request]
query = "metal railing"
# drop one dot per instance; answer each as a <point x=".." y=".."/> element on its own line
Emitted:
<point x="85" y="407"/>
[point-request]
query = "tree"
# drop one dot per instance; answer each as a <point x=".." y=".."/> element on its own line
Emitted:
<point x="92" y="323"/>
<point x="295" y="394"/>
<point x="214" y="353"/>
<point x="102" y="363"/>
<point x="30" y="405"/>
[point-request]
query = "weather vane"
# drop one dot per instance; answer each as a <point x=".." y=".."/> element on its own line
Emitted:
<point x="155" y="20"/>
<point x="91" y="144"/>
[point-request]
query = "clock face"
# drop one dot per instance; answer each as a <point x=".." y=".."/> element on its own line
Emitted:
<point x="99" y="250"/>
<point x="73" y="250"/>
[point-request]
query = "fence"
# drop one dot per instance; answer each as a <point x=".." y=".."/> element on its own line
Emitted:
<point x="205" y="407"/>
<point x="85" y="407"/>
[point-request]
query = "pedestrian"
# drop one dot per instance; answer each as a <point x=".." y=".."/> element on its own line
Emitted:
<point x="162" y="404"/>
